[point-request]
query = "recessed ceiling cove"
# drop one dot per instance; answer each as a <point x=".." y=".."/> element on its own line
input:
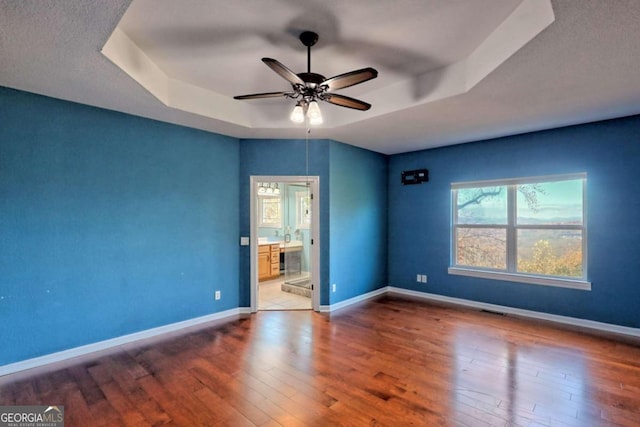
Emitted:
<point x="195" y="56"/>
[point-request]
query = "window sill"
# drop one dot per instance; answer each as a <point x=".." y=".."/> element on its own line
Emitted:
<point x="522" y="278"/>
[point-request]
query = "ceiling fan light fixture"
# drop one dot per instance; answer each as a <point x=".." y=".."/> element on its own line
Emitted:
<point x="316" y="121"/>
<point x="314" y="114"/>
<point x="297" y="115"/>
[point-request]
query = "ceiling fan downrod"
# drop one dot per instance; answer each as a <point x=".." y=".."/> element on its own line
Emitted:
<point x="308" y="38"/>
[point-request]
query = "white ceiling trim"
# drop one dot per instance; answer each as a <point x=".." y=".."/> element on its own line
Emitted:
<point x="124" y="53"/>
<point x="524" y="23"/>
<point x="174" y="93"/>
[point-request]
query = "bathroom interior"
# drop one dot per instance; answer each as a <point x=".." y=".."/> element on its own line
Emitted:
<point x="284" y="237"/>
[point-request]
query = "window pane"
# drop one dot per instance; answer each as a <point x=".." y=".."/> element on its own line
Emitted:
<point x="550" y="203"/>
<point x="482" y="247"/>
<point x="483" y="205"/>
<point x="550" y="252"/>
<point x="303" y="208"/>
<point x="271" y="215"/>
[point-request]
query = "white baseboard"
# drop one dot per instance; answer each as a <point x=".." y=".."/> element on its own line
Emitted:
<point x="351" y="301"/>
<point x="114" y="342"/>
<point x="573" y="321"/>
<point x="245" y="310"/>
<point x="154" y="332"/>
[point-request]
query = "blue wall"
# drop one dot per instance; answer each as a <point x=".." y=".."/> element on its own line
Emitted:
<point x="608" y="151"/>
<point x="358" y="221"/>
<point x="110" y="224"/>
<point x="353" y="214"/>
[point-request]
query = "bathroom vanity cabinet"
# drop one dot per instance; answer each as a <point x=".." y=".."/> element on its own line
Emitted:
<point x="268" y="261"/>
<point x="274" y="258"/>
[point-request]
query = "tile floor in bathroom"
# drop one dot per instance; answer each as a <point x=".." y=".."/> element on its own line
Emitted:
<point x="271" y="297"/>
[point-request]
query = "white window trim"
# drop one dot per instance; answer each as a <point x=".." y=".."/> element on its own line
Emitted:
<point x="509" y="274"/>
<point x="521" y="278"/>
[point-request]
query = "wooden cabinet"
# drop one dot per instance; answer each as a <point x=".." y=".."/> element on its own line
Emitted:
<point x="275" y="261"/>
<point x="268" y="261"/>
<point x="264" y="262"/>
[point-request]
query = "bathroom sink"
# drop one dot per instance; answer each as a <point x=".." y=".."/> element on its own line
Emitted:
<point x="291" y="244"/>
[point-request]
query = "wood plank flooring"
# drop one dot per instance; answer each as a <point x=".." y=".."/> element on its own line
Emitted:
<point x="391" y="361"/>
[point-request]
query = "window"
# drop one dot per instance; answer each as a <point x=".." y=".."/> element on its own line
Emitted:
<point x="530" y="230"/>
<point x="270" y="211"/>
<point x="303" y="209"/>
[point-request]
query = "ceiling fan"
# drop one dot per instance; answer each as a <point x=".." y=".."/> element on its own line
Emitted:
<point x="309" y="87"/>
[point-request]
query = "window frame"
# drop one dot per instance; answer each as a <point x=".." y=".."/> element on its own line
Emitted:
<point x="512" y="228"/>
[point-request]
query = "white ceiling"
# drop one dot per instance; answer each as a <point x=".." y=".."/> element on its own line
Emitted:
<point x="451" y="71"/>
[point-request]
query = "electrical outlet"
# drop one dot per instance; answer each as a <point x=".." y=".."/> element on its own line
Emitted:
<point x="423" y="278"/>
<point x="333" y="287"/>
<point x="418" y="278"/>
<point x="217" y="295"/>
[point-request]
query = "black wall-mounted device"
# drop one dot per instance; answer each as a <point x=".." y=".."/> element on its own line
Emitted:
<point x="417" y="176"/>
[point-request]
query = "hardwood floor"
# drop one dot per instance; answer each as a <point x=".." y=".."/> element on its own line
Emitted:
<point x="391" y="361"/>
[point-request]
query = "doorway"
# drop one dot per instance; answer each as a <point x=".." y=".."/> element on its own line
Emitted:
<point x="285" y="244"/>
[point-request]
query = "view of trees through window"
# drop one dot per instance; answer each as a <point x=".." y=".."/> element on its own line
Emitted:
<point x="533" y="228"/>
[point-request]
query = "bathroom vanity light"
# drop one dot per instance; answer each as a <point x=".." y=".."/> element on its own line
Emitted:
<point x="268" y="189"/>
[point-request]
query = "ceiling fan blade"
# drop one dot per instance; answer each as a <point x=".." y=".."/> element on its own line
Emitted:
<point x="345" y="101"/>
<point x="283" y="71"/>
<point x="351" y="78"/>
<point x="263" y="95"/>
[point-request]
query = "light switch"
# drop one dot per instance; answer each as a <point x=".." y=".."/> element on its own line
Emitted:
<point x="244" y="241"/>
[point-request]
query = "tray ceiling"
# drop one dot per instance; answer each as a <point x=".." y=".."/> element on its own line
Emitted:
<point x="451" y="71"/>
